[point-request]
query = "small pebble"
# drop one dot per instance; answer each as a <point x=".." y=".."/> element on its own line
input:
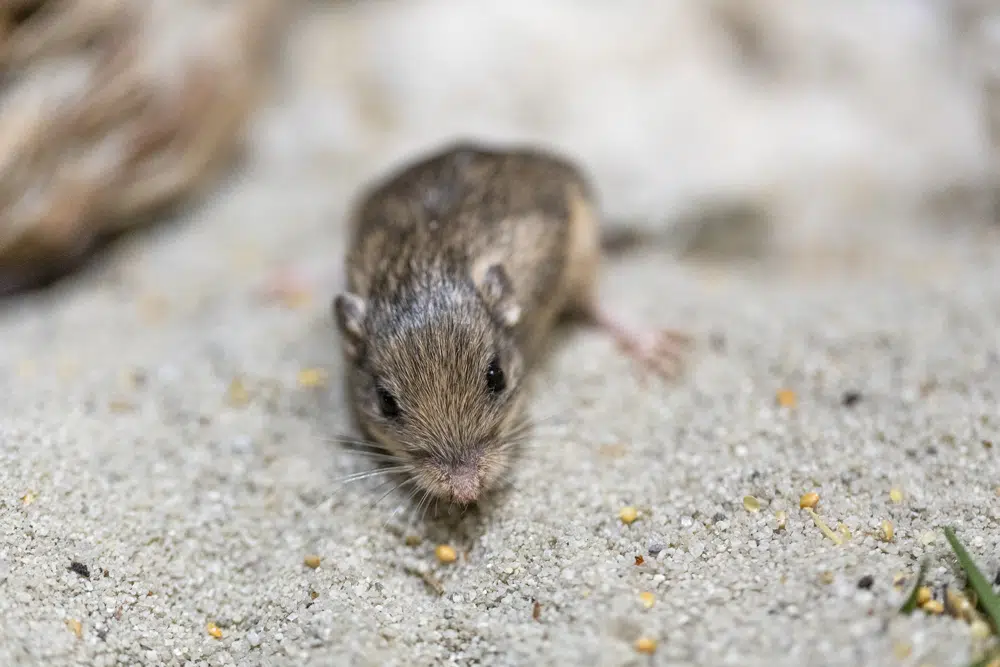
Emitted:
<point x="312" y="560"/>
<point x="866" y="582"/>
<point x="647" y="599"/>
<point x="253" y="639"/>
<point x="850" y="398"/>
<point x="655" y="548"/>
<point x="80" y="569"/>
<point x="751" y="504"/>
<point x="809" y="500"/>
<point x="412" y="541"/>
<point x="445" y="553"/>
<point x="928" y="537"/>
<point x="628" y="515"/>
<point x="645" y="645"/>
<point x="214" y="630"/>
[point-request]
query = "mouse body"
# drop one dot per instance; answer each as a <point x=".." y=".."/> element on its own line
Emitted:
<point x="459" y="265"/>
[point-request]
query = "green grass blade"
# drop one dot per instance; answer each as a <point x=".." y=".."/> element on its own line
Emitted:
<point x="988" y="600"/>
<point x="911" y="599"/>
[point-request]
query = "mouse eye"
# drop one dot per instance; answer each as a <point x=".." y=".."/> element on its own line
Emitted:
<point x="495" y="380"/>
<point x="387" y="403"/>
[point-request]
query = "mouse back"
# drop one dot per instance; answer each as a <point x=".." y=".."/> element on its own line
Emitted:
<point x="466" y="209"/>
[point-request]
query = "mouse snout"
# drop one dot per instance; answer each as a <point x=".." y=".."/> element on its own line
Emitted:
<point x="464" y="481"/>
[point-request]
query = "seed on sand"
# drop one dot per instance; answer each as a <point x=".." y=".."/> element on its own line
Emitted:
<point x="214" y="630"/>
<point x="923" y="595"/>
<point x="75" y="626"/>
<point x="896" y="496"/>
<point x="647" y="599"/>
<point x="445" y="553"/>
<point x="782" y="518"/>
<point x="237" y="395"/>
<point x="980" y="629"/>
<point x="628" y="515"/>
<point x="809" y="500"/>
<point x="886" y="532"/>
<point x="751" y="504"/>
<point x="312" y="560"/>
<point x="645" y="645"/>
<point x="933" y="607"/>
<point x="786" y="398"/>
<point x="311" y="378"/>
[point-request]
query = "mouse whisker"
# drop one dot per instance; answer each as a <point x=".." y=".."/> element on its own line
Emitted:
<point x="362" y="447"/>
<point x="404" y="506"/>
<point x="383" y="496"/>
<point x="365" y="474"/>
<point x="415" y="509"/>
<point x="348" y="440"/>
<point x="378" y="456"/>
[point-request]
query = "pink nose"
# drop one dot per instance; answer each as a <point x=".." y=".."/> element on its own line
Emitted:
<point x="464" y="497"/>
<point x="464" y="483"/>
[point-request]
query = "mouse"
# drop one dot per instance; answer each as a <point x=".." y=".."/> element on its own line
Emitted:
<point x="459" y="265"/>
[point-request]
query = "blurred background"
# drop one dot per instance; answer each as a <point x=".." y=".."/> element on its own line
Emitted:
<point x="747" y="124"/>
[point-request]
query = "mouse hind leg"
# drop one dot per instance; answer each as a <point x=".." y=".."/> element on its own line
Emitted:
<point x="661" y="351"/>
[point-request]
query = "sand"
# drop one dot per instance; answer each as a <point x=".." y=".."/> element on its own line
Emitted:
<point x="154" y="429"/>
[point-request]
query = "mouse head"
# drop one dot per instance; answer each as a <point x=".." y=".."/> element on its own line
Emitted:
<point x="435" y="378"/>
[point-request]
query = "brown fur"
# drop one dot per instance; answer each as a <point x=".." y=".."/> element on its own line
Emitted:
<point x="462" y="256"/>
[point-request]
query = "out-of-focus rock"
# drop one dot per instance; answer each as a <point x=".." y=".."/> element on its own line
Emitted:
<point x="825" y="119"/>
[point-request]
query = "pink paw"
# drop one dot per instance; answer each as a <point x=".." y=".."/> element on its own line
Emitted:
<point x="661" y="353"/>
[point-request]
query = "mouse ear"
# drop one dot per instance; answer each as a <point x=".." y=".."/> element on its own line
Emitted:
<point x="497" y="291"/>
<point x="349" y="313"/>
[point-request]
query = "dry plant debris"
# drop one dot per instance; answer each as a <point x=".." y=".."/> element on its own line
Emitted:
<point x="115" y="109"/>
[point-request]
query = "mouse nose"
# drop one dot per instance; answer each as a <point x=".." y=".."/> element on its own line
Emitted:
<point x="464" y="483"/>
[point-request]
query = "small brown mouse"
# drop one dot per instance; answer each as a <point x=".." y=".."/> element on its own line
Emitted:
<point x="459" y="265"/>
